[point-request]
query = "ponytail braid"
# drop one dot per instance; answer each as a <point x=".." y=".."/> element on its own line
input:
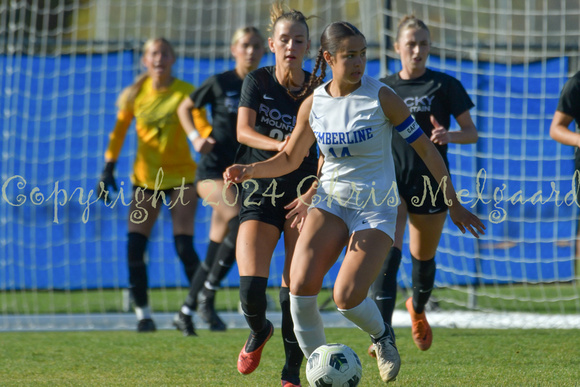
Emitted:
<point x="315" y="81"/>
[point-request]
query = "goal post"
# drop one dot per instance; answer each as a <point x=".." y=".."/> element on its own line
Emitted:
<point x="63" y="64"/>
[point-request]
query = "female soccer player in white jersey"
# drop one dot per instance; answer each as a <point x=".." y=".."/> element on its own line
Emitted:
<point x="351" y="117"/>
<point x="432" y="97"/>
<point x="267" y="113"/>
<point x="222" y="93"/>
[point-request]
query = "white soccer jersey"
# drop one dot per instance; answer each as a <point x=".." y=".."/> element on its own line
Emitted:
<point x="354" y="135"/>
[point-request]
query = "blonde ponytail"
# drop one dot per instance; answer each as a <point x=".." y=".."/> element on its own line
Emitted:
<point x="127" y="97"/>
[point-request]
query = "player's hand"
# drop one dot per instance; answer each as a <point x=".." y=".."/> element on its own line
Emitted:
<point x="107" y="180"/>
<point x="299" y="208"/>
<point x="298" y="212"/>
<point x="238" y="173"/>
<point x="465" y="220"/>
<point x="203" y="145"/>
<point x="283" y="144"/>
<point x="439" y="135"/>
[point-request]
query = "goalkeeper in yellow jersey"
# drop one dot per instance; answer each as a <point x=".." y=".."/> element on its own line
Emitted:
<point x="163" y="171"/>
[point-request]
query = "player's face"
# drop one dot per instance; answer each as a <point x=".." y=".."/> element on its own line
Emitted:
<point x="413" y="47"/>
<point x="158" y="59"/>
<point x="248" y="51"/>
<point x="289" y="43"/>
<point x="349" y="62"/>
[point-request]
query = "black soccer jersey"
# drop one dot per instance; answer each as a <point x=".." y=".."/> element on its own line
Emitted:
<point x="276" y="114"/>
<point x="569" y="104"/>
<point x="222" y="93"/>
<point x="433" y="93"/>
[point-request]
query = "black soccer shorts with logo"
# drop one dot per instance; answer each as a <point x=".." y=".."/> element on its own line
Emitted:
<point x="414" y="189"/>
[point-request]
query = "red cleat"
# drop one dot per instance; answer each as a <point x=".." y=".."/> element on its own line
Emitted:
<point x="249" y="361"/>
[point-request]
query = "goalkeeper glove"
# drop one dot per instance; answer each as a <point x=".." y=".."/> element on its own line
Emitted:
<point x="107" y="180"/>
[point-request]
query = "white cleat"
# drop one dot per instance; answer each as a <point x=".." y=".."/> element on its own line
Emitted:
<point x="388" y="359"/>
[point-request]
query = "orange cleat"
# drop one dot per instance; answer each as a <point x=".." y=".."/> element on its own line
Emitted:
<point x="249" y="361"/>
<point x="422" y="334"/>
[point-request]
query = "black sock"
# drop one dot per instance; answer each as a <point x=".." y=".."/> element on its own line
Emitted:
<point x="294" y="354"/>
<point x="212" y="249"/>
<point x="187" y="254"/>
<point x="384" y="289"/>
<point x="208" y="296"/>
<point x="138" y="283"/>
<point x="423" y="276"/>
<point x="254" y="302"/>
<point x="200" y="275"/>
<point x="226" y="255"/>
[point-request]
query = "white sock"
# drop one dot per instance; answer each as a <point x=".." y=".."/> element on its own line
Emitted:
<point x="143" y="312"/>
<point x="367" y="317"/>
<point x="186" y="310"/>
<point x="308" y="325"/>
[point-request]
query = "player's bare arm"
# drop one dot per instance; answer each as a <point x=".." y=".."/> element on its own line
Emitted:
<point x="559" y="129"/>
<point x="247" y="135"/>
<point x="184" y="113"/>
<point x="396" y="111"/>
<point x="284" y="162"/>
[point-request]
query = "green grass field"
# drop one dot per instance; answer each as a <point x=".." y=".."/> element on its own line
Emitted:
<point x="459" y="357"/>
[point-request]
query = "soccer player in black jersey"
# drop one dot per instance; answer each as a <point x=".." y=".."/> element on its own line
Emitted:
<point x="222" y="93"/>
<point x="432" y="97"/>
<point x="269" y="103"/>
<point x="568" y="110"/>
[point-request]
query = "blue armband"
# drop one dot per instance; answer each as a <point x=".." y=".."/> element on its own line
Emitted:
<point x="409" y="129"/>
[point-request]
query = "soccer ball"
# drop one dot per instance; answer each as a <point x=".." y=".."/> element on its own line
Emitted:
<point x="333" y="365"/>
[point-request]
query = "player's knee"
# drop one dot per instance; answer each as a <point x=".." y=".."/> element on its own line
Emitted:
<point x="348" y="296"/>
<point x="136" y="246"/>
<point x="185" y="250"/>
<point x="285" y="296"/>
<point x="232" y="235"/>
<point x="299" y="288"/>
<point x="253" y="294"/>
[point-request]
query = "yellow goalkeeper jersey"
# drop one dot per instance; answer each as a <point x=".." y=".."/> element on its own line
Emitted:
<point x="161" y="141"/>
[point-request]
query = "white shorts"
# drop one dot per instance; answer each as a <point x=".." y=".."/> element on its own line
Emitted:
<point x="356" y="219"/>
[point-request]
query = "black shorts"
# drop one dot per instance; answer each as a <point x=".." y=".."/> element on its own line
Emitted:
<point x="208" y="168"/>
<point x="418" y="197"/>
<point x="417" y="192"/>
<point x="258" y="203"/>
<point x="160" y="194"/>
<point x="413" y="188"/>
